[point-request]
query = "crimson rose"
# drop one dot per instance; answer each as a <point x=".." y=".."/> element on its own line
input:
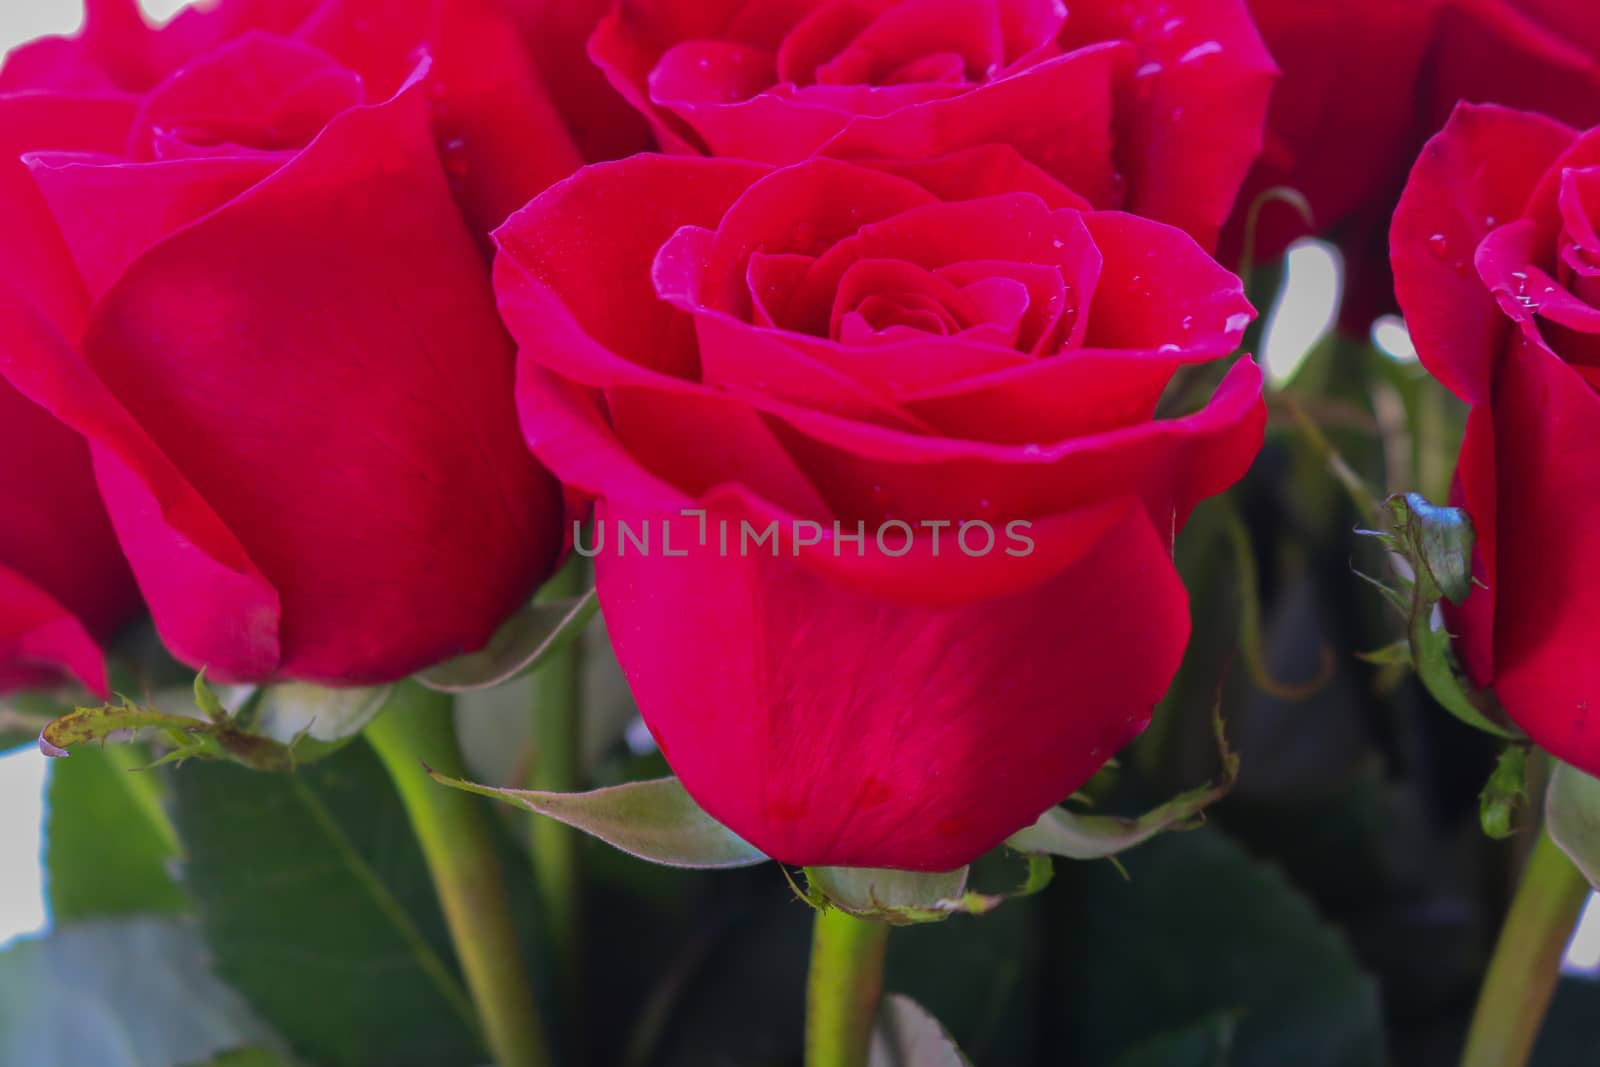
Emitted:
<point x="1497" y="266"/>
<point x="250" y="288"/>
<point x="1152" y="106"/>
<point x="888" y="432"/>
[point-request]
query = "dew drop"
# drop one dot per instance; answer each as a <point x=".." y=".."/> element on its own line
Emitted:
<point x="1439" y="245"/>
<point x="1169" y="348"/>
<point x="1187" y="324"/>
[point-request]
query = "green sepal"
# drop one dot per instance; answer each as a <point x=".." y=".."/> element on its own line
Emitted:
<point x="1074" y="835"/>
<point x="657" y="821"/>
<point x="905" y="898"/>
<point x="520" y="645"/>
<point x="1436" y="543"/>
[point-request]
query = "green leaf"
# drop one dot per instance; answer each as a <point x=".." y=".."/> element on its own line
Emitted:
<point x="118" y="993"/>
<point x="318" y="906"/>
<point x="517" y="647"/>
<point x="108" y="843"/>
<point x="1572" y="816"/>
<point x="1060" y="832"/>
<point x="1200" y="929"/>
<point x="655" y="820"/>
<point x="907" y="1036"/>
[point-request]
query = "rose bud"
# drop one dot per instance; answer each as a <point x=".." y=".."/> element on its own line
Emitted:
<point x="287" y="362"/>
<point x="1153" y="107"/>
<point x="889" y="432"/>
<point x="1497" y="267"/>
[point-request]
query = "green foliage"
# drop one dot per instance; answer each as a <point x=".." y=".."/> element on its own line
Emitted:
<point x="108" y="843"/>
<point x="1200" y="930"/>
<point x="317" y="905"/>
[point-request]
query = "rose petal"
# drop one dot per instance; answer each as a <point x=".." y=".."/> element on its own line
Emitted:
<point x="803" y="686"/>
<point x="361" y="305"/>
<point x="1547" y="573"/>
<point x="587" y="246"/>
<point x="1463" y="185"/>
<point x="38" y="636"/>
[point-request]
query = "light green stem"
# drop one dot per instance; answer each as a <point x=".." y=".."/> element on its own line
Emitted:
<point x="558" y="768"/>
<point x="455" y="833"/>
<point x="1527" y="960"/>
<point x="845" y="986"/>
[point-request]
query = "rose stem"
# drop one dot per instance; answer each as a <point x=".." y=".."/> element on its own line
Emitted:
<point x="1527" y="960"/>
<point x="845" y="986"/>
<point x="455" y="832"/>
<point x="558" y="768"/>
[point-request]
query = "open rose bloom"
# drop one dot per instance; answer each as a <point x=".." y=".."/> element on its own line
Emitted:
<point x="1153" y="107"/>
<point x="1498" y="269"/>
<point x="957" y="341"/>
<point x="250" y="273"/>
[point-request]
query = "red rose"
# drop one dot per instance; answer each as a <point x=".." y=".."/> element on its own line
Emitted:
<point x="502" y="139"/>
<point x="1367" y="82"/>
<point x="285" y="355"/>
<point x="895" y="346"/>
<point x="1156" y="107"/>
<point x="1497" y="266"/>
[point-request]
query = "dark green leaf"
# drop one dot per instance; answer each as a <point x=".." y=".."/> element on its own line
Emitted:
<point x="118" y="993"/>
<point x="108" y="842"/>
<point x="1200" y="929"/>
<point x="317" y="903"/>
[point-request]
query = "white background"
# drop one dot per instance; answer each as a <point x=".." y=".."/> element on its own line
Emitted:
<point x="1303" y="317"/>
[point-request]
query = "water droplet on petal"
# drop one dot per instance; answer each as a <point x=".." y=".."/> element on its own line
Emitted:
<point x="1439" y="245"/>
